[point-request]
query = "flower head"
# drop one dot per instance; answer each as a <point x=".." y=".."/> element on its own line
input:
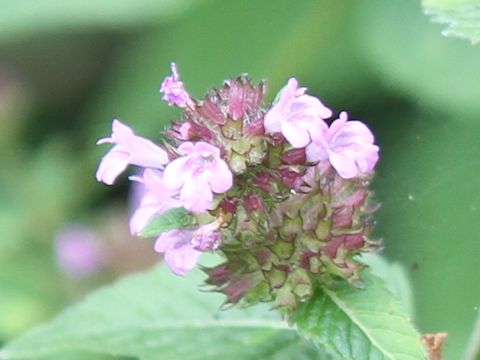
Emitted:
<point x="280" y="194"/>
<point x="296" y="115"/>
<point x="129" y="149"/>
<point x="198" y="174"/>
<point x="348" y="145"/>
<point x="173" y="89"/>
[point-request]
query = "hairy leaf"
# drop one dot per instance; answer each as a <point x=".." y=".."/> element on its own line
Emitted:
<point x="360" y="324"/>
<point x="158" y="315"/>
<point x="462" y="17"/>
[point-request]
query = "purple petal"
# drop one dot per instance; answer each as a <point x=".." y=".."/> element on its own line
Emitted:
<point x="272" y="121"/>
<point x="165" y="239"/>
<point x="207" y="237"/>
<point x="187" y="148"/>
<point x="135" y="150"/>
<point x="357" y="130"/>
<point x="368" y="159"/>
<point x="205" y="150"/>
<point x="149" y="206"/>
<point x="179" y="254"/>
<point x="175" y="173"/>
<point x="196" y="194"/>
<point x="112" y="164"/>
<point x="297" y="136"/>
<point x="221" y="178"/>
<point x="120" y="130"/>
<point x="316" y="152"/>
<point x="181" y="258"/>
<point x="344" y="164"/>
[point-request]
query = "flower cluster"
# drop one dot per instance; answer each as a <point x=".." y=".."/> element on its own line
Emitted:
<point x="280" y="192"/>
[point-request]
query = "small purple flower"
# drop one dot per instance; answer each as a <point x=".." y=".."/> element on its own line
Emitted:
<point x="348" y="145"/>
<point x="180" y="255"/>
<point x="296" y="115"/>
<point x="198" y="174"/>
<point x="173" y="89"/>
<point x="156" y="199"/>
<point x="129" y="149"/>
<point x="77" y="252"/>
<point x="207" y="237"/>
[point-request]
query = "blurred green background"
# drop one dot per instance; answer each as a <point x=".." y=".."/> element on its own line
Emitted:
<point x="68" y="68"/>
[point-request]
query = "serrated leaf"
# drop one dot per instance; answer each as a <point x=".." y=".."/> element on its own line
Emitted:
<point x="172" y="219"/>
<point x="462" y="17"/>
<point x="359" y="324"/>
<point x="156" y="315"/>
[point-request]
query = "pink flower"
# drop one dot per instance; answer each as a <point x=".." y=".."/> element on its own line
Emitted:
<point x="348" y="145"/>
<point x="173" y="89"/>
<point x="129" y="149"/>
<point x="155" y="200"/>
<point x="180" y="255"/>
<point x="77" y="251"/>
<point x="296" y="115"/>
<point x="207" y="237"/>
<point x="197" y="175"/>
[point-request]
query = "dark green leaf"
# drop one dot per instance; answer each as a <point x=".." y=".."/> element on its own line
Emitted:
<point x="359" y="324"/>
<point x="157" y="315"/>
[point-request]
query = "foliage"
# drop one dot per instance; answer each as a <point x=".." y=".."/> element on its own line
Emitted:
<point x="462" y="17"/>
<point x="152" y="314"/>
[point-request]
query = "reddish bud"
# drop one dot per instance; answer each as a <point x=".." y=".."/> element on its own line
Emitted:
<point x="263" y="181"/>
<point x="290" y="178"/>
<point x="228" y="206"/>
<point x="342" y="218"/>
<point x="294" y="157"/>
<point x="219" y="275"/>
<point x="255" y="128"/>
<point x="277" y="139"/>
<point x="236" y="99"/>
<point x="253" y="202"/>
<point x="210" y="110"/>
<point x="236" y="289"/>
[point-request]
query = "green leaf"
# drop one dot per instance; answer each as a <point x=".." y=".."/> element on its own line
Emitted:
<point x="172" y="219"/>
<point x="24" y="18"/>
<point x="360" y="324"/>
<point x="462" y="17"/>
<point x="396" y="279"/>
<point x="158" y="315"/>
